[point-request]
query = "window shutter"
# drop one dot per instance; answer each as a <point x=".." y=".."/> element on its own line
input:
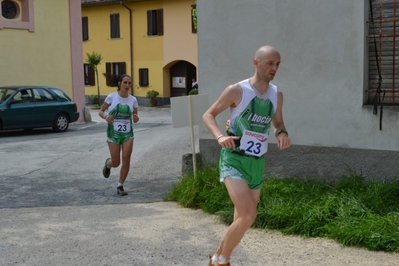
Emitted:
<point x="149" y="23"/>
<point x="111" y="26"/>
<point x="160" y="22"/>
<point x="115" y="32"/>
<point x="91" y="76"/>
<point x="385" y="34"/>
<point x="108" y="73"/>
<point x="117" y="26"/>
<point x="85" y="28"/>
<point x="143" y="77"/>
<point x="123" y="67"/>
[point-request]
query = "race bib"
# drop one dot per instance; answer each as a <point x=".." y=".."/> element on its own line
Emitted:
<point x="254" y="143"/>
<point x="122" y="125"/>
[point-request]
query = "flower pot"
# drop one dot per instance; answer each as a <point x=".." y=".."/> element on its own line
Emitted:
<point x="153" y="102"/>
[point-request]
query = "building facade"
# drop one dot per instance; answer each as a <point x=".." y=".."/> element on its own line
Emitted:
<point x="155" y="42"/>
<point x="328" y="75"/>
<point x="40" y="44"/>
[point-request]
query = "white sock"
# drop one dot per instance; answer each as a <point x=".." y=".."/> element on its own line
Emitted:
<point x="214" y="259"/>
<point x="223" y="260"/>
<point x="120" y="184"/>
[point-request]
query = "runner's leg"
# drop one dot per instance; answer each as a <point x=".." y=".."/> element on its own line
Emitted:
<point x="114" y="150"/>
<point x="245" y="202"/>
<point x="127" y="149"/>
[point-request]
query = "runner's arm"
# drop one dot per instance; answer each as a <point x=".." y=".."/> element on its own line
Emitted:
<point x="282" y="139"/>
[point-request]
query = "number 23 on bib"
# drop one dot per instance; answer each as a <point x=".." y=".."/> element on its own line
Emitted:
<point x="254" y="143"/>
<point x="122" y="125"/>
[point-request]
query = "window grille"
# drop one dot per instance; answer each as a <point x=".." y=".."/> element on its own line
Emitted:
<point x="383" y="50"/>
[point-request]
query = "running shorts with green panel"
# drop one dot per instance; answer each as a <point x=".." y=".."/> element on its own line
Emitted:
<point x="247" y="168"/>
<point x="120" y="131"/>
<point x="120" y="137"/>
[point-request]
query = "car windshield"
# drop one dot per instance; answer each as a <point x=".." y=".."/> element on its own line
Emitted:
<point x="63" y="97"/>
<point x="5" y="93"/>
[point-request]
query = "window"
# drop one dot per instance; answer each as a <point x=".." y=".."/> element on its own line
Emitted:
<point x="194" y="19"/>
<point x="41" y="95"/>
<point x="143" y="77"/>
<point x="23" y="96"/>
<point x="17" y="14"/>
<point x="113" y="71"/>
<point x="155" y="22"/>
<point x="89" y="75"/>
<point x="115" y="31"/>
<point x="85" y="28"/>
<point x="9" y="9"/>
<point x="383" y="53"/>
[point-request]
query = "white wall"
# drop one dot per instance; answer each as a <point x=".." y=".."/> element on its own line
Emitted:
<point x="323" y="70"/>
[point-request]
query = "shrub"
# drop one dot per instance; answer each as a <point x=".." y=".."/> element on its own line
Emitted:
<point x="193" y="92"/>
<point x="152" y="94"/>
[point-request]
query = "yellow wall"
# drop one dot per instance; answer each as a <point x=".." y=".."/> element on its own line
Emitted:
<point x="152" y="52"/>
<point x="41" y="57"/>
<point x="179" y="42"/>
<point x="112" y="50"/>
<point x="148" y="50"/>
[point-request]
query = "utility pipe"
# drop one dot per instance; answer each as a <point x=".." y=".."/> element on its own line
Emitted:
<point x="131" y="43"/>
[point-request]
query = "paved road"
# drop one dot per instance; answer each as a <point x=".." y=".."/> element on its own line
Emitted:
<point x="41" y="168"/>
<point x="57" y="209"/>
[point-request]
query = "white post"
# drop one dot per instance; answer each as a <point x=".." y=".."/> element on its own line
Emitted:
<point x="192" y="135"/>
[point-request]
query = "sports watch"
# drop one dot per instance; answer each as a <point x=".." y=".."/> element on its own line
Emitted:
<point x="278" y="132"/>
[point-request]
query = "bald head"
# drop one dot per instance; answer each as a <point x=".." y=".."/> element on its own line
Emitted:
<point x="264" y="51"/>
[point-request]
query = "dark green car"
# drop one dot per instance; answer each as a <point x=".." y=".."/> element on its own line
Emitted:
<point x="27" y="107"/>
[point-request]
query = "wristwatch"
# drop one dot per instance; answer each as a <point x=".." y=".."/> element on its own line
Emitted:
<point x="278" y="132"/>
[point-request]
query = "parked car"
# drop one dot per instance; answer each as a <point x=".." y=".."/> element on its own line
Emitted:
<point x="28" y="107"/>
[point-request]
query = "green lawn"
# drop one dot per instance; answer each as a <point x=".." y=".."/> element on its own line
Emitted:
<point x="351" y="211"/>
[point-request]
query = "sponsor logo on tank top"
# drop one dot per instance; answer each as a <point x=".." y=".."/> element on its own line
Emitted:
<point x="260" y="137"/>
<point x="118" y="114"/>
<point x="259" y="119"/>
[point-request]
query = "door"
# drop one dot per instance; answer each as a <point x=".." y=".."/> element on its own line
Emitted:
<point x="46" y="107"/>
<point x="20" y="112"/>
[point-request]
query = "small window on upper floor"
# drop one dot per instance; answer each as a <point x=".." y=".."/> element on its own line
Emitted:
<point x="115" y="30"/>
<point x="143" y="77"/>
<point x="113" y="70"/>
<point x="85" y="28"/>
<point x="155" y="22"/>
<point x="17" y="14"/>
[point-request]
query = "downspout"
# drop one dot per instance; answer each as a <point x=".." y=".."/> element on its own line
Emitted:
<point x="131" y="42"/>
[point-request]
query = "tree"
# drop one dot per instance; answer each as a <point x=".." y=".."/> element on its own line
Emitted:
<point x="93" y="60"/>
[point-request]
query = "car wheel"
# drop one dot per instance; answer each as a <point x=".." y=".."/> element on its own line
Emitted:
<point x="61" y="123"/>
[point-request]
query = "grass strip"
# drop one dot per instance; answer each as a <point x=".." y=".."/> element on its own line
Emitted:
<point x="349" y="210"/>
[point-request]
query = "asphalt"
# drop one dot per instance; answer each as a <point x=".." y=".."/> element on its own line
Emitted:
<point x="89" y="225"/>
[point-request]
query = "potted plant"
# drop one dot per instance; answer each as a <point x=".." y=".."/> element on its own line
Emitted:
<point x="93" y="99"/>
<point x="153" y="94"/>
<point x="193" y="92"/>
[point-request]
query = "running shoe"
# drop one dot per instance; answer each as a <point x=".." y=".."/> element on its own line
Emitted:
<point x="106" y="170"/>
<point x="223" y="264"/>
<point x="120" y="191"/>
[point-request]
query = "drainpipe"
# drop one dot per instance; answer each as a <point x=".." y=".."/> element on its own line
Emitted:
<point x="131" y="43"/>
